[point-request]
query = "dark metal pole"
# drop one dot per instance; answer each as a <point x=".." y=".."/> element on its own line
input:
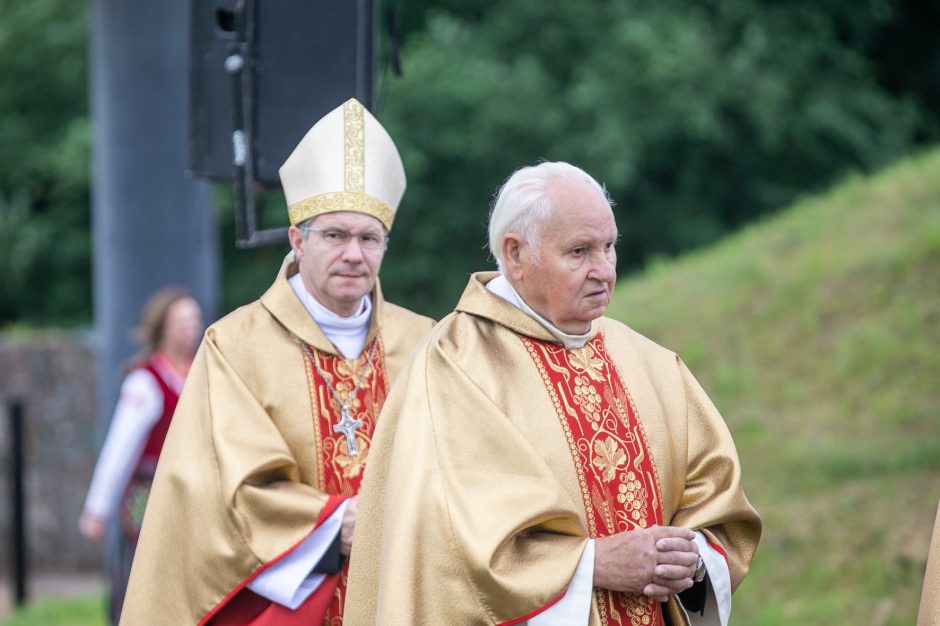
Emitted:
<point x="18" y="525"/>
<point x="240" y="66"/>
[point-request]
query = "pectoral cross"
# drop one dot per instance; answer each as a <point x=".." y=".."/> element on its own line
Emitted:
<point x="348" y="426"/>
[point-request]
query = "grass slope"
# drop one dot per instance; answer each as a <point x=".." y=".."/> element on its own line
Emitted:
<point x="817" y="334"/>
<point x="80" y="611"/>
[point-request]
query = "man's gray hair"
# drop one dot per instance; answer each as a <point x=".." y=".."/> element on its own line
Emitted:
<point x="523" y="204"/>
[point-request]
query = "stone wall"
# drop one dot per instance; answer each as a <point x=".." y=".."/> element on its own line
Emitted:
<point x="53" y="375"/>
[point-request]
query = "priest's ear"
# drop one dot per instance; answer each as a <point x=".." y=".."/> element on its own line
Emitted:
<point x="515" y="251"/>
<point x="296" y="238"/>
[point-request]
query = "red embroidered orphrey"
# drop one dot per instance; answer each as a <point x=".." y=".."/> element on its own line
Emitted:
<point x="618" y="478"/>
<point x="340" y="474"/>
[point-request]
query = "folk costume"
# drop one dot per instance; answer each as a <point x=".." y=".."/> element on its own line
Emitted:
<point x="273" y="431"/>
<point x="121" y="483"/>
<point x="513" y="446"/>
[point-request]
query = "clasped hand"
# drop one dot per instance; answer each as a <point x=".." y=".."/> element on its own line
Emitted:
<point x="657" y="562"/>
<point x="348" y="530"/>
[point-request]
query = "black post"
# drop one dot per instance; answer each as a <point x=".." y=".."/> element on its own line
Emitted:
<point x="18" y="525"/>
<point x="239" y="65"/>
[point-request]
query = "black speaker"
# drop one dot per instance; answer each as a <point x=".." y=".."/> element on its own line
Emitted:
<point x="289" y="63"/>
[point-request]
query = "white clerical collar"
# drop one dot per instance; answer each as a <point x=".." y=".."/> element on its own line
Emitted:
<point x="501" y="287"/>
<point x="348" y="334"/>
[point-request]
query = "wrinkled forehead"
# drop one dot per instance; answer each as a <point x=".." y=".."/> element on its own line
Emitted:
<point x="578" y="205"/>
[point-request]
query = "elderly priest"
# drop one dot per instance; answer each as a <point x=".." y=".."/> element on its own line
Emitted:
<point x="253" y="508"/>
<point x="540" y="463"/>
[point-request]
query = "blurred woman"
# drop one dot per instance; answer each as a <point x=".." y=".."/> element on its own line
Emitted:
<point x="169" y="332"/>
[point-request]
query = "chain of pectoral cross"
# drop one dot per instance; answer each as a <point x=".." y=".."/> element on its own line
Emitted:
<point x="346" y="425"/>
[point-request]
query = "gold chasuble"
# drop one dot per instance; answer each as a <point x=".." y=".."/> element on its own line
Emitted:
<point x="500" y="453"/>
<point x="929" y="614"/>
<point x="252" y="464"/>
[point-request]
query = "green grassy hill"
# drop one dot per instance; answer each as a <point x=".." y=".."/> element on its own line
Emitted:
<point x="817" y="334"/>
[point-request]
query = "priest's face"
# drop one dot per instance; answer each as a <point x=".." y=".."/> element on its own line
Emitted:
<point x="569" y="276"/>
<point x="339" y="258"/>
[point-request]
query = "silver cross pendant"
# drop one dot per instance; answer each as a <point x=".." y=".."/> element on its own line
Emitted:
<point x="348" y="427"/>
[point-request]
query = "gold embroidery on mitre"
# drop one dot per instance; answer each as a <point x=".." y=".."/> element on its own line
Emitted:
<point x="341" y="201"/>
<point x="354" y="122"/>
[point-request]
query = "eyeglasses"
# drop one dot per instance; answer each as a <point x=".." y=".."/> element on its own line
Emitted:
<point x="338" y="238"/>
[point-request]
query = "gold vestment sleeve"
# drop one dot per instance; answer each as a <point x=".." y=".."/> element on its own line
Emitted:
<point x="929" y="614"/>
<point x="713" y="500"/>
<point x="461" y="521"/>
<point x="225" y="500"/>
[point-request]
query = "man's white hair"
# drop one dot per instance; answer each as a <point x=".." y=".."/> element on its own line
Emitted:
<point x="523" y="203"/>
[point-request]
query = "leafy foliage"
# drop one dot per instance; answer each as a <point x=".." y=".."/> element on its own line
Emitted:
<point x="814" y="333"/>
<point x="45" y="238"/>
<point x="698" y="116"/>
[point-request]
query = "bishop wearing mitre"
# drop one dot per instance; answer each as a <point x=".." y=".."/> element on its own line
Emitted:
<point x="253" y="508"/>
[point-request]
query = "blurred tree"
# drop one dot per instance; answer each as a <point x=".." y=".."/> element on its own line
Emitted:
<point x="699" y="116"/>
<point x="45" y="249"/>
<point x="248" y="273"/>
<point x="905" y="50"/>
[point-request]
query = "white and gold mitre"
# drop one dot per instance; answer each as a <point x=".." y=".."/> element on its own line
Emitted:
<point x="346" y="162"/>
